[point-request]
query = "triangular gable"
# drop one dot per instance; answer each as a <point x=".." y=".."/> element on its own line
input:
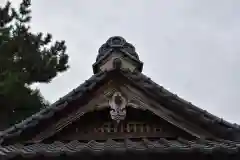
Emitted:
<point x="60" y="124"/>
<point x="180" y="107"/>
<point x="138" y="99"/>
<point x="103" y="101"/>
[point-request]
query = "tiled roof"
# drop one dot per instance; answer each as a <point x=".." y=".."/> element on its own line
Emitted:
<point x="139" y="79"/>
<point x="111" y="146"/>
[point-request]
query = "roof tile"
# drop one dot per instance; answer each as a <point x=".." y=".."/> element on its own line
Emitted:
<point x="162" y="145"/>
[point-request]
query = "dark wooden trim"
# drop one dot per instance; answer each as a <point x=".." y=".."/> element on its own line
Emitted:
<point x="118" y="135"/>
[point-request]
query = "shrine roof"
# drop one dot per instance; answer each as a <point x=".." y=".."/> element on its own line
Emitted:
<point x="110" y="146"/>
<point x="146" y="84"/>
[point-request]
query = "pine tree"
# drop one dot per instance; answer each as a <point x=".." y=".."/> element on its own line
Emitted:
<point x="25" y="58"/>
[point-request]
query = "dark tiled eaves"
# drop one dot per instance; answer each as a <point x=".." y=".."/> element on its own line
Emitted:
<point x="183" y="106"/>
<point x="55" y="107"/>
<point x="111" y="146"/>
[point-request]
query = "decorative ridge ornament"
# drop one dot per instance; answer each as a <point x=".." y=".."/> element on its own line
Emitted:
<point x="117" y="42"/>
<point x="117" y="47"/>
<point x="118" y="105"/>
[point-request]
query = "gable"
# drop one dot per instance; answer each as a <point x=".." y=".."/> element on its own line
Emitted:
<point x="134" y="100"/>
<point x="95" y="95"/>
<point x="100" y="100"/>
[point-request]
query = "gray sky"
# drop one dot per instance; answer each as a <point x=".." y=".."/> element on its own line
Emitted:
<point x="191" y="47"/>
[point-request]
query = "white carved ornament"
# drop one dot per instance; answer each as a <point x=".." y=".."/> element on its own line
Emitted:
<point x="118" y="107"/>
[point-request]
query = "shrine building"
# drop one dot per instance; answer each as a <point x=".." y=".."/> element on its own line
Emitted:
<point x="120" y="113"/>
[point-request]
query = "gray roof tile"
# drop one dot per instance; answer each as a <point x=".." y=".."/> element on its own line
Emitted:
<point x="159" y="146"/>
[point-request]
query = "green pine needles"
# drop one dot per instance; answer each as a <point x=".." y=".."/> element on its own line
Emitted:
<point x="25" y="58"/>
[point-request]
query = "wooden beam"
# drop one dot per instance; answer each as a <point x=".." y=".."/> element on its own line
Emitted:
<point x="118" y="135"/>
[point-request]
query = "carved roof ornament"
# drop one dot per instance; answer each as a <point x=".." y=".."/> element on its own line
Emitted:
<point x="117" y="48"/>
<point x="116" y="42"/>
<point x="118" y="105"/>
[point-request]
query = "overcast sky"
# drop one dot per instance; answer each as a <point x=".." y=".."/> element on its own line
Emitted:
<point x="191" y="47"/>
